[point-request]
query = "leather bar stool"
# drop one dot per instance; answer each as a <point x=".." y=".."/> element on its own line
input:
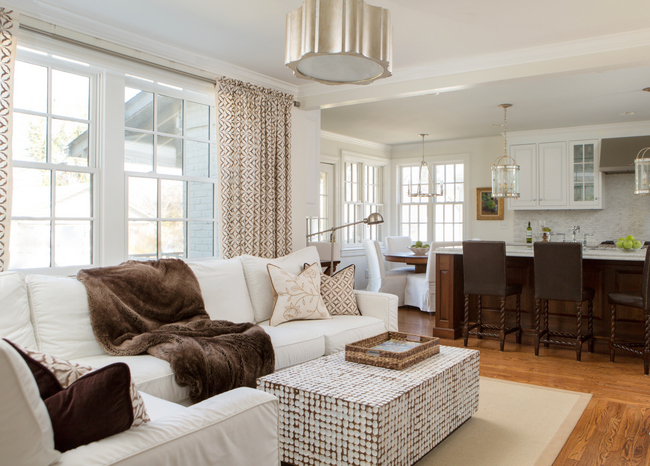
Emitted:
<point x="558" y="277"/>
<point x="639" y="300"/>
<point x="484" y="270"/>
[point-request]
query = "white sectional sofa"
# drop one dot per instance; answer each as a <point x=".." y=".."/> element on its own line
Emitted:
<point x="50" y="314"/>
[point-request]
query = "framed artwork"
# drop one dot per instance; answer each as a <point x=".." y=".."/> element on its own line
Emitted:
<point x="488" y="207"/>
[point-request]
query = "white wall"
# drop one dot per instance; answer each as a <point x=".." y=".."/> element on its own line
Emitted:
<point x="305" y="160"/>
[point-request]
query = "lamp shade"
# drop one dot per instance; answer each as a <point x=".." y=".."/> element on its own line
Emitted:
<point x="642" y="172"/>
<point x="374" y="219"/>
<point x="339" y="42"/>
<point x="505" y="178"/>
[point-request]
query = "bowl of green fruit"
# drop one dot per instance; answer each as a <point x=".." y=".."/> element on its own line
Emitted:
<point x="628" y="243"/>
<point x="419" y="248"/>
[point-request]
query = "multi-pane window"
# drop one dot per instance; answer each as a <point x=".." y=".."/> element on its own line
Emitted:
<point x="54" y="172"/>
<point x="363" y="195"/>
<point x="438" y="218"/>
<point x="325" y="204"/>
<point x="448" y="213"/>
<point x="414" y="211"/>
<point x="171" y="173"/>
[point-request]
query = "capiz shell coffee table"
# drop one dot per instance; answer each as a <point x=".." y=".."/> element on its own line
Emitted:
<point x="334" y="412"/>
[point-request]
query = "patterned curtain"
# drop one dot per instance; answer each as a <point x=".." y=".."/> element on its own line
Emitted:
<point x="8" y="27"/>
<point x="255" y="161"/>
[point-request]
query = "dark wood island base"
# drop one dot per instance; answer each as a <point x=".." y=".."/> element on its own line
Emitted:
<point x="603" y="274"/>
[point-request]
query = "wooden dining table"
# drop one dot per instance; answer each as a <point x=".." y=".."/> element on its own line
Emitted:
<point x="420" y="262"/>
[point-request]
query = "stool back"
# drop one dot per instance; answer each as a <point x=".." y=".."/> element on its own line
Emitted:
<point x="558" y="271"/>
<point x="645" y="281"/>
<point x="484" y="268"/>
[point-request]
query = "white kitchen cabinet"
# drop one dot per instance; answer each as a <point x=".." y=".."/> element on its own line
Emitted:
<point x="557" y="175"/>
<point x="584" y="175"/>
<point x="526" y="157"/>
<point x="552" y="174"/>
<point x="542" y="175"/>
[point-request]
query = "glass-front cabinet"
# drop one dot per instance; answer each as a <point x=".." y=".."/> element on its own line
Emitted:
<point x="585" y="175"/>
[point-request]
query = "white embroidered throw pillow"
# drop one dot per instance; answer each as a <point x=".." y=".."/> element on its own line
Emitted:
<point x="337" y="292"/>
<point x="296" y="297"/>
<point x="67" y="373"/>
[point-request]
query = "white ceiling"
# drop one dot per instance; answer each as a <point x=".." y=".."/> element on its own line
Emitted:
<point x="561" y="63"/>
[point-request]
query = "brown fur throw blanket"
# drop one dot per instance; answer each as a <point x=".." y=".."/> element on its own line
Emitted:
<point x="157" y="307"/>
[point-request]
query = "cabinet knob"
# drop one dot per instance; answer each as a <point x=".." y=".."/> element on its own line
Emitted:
<point x="596" y="198"/>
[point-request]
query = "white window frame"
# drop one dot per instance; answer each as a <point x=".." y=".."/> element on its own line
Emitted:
<point x="110" y="202"/>
<point x="362" y="206"/>
<point x="185" y="96"/>
<point x="433" y="162"/>
<point x="54" y="62"/>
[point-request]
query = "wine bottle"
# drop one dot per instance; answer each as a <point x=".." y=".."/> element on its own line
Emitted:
<point x="529" y="234"/>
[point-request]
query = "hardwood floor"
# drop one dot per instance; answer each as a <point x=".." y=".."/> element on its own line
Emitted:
<point x="615" y="427"/>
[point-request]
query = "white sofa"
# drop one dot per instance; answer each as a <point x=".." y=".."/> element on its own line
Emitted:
<point x="50" y="314"/>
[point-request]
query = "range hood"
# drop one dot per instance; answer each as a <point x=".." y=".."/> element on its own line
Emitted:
<point x="617" y="154"/>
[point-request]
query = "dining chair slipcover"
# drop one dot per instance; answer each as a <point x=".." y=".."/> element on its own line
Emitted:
<point x="380" y="279"/>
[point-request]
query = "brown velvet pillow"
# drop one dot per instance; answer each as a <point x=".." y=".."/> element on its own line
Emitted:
<point x="94" y="407"/>
<point x="47" y="382"/>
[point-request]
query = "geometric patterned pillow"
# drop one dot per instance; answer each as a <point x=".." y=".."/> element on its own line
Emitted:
<point x="67" y="373"/>
<point x="296" y="297"/>
<point x="337" y="292"/>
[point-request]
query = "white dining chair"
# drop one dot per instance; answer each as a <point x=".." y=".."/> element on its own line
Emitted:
<point x="420" y="289"/>
<point x="398" y="244"/>
<point x="380" y="279"/>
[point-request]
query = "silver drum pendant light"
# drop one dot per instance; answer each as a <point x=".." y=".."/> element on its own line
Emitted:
<point x="424" y="184"/>
<point x="505" y="171"/>
<point x="339" y="42"/>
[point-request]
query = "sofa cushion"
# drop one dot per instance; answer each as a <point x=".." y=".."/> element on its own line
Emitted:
<point x="259" y="283"/>
<point x="296" y="297"/>
<point x="224" y="290"/>
<point x="61" y="317"/>
<point x="150" y="374"/>
<point x="338" y="292"/>
<point x="15" y="323"/>
<point x="340" y="330"/>
<point x="99" y="395"/>
<point x="26" y="435"/>
<point x="65" y="373"/>
<point x="157" y="408"/>
<point x="294" y="346"/>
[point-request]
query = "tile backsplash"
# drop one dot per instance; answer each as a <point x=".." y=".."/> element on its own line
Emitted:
<point x="623" y="214"/>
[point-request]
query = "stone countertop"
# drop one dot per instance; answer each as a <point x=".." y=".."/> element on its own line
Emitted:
<point x="517" y="250"/>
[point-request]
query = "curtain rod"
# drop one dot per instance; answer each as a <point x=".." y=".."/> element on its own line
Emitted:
<point x="123" y="56"/>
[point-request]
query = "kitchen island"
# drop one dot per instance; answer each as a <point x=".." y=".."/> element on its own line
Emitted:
<point x="606" y="270"/>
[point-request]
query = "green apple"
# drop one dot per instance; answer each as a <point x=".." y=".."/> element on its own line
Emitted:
<point x="426" y="246"/>
<point x="627" y="244"/>
<point x="619" y="243"/>
<point x="621" y="238"/>
<point x="629" y="238"/>
<point x="418" y="244"/>
<point x="637" y="244"/>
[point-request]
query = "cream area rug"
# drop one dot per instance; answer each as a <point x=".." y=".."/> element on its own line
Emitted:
<point x="515" y="425"/>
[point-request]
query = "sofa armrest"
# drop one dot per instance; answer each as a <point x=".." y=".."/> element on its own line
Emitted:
<point x="380" y="305"/>
<point x="236" y="427"/>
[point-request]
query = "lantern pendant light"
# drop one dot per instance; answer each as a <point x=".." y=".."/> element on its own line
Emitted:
<point x="642" y="169"/>
<point x="642" y="172"/>
<point x="505" y="171"/>
<point x="422" y="187"/>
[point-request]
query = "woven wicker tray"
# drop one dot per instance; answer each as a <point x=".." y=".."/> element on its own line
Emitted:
<point x="364" y="352"/>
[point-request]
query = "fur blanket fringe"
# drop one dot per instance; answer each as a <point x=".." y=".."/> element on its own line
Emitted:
<point x="156" y="307"/>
